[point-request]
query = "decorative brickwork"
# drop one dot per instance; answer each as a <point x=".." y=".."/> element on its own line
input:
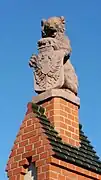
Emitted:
<point x="64" y="116"/>
<point x="31" y="144"/>
<point x="35" y="143"/>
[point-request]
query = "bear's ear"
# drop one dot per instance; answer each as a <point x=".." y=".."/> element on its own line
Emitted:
<point x="62" y="19"/>
<point x="43" y="22"/>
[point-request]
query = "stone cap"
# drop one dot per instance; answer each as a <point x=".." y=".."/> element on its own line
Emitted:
<point x="65" y="94"/>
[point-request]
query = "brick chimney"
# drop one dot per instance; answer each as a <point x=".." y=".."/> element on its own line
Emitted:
<point x="62" y="110"/>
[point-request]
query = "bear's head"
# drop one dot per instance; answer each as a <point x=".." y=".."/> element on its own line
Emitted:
<point x="52" y="26"/>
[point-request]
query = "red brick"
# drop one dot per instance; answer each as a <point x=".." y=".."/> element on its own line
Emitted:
<point x="63" y="163"/>
<point x="35" y="158"/>
<point x="29" y="128"/>
<point x="75" y="137"/>
<point x="70" y="117"/>
<point x="65" y="138"/>
<point x="62" y="101"/>
<point x="34" y="139"/>
<point x="63" y="125"/>
<point x="71" y="128"/>
<point x="14" y="165"/>
<point x="45" y="141"/>
<point x="17" y="158"/>
<point x="62" y="131"/>
<point x="23" y="143"/>
<point x="55" y="168"/>
<point x="70" y="105"/>
<point x="20" y="177"/>
<point x="43" y="155"/>
<point x="54" y="112"/>
<point x="68" y="134"/>
<point x="76" y="119"/>
<point x="56" y="161"/>
<point x="45" y="168"/>
<point x="13" y="178"/>
<point x="47" y="147"/>
<point x="68" y="121"/>
<point x="49" y="107"/>
<point x="75" y="125"/>
<point x="20" y="150"/>
<point x="10" y="173"/>
<point x="37" y="125"/>
<point x="18" y="170"/>
<point x="58" y="118"/>
<point x="40" y="150"/>
<point x="40" y="131"/>
<point x="48" y="160"/>
<point x="71" y="166"/>
<point x="45" y="104"/>
<point x="29" y="122"/>
<point x="62" y="107"/>
<point x="40" y="163"/>
<point x="41" y="176"/>
<point x="72" y="142"/>
<point x="76" y="131"/>
<point x="39" y="170"/>
<point x="67" y="109"/>
<point x="37" y="144"/>
<point x="63" y="113"/>
<point x="54" y="100"/>
<point x="28" y="135"/>
<point x="28" y="148"/>
<point x="77" y="143"/>
<point x="61" y="177"/>
<point x="53" y="175"/>
<point x="29" y="154"/>
<point x="75" y="112"/>
<point x="93" y="174"/>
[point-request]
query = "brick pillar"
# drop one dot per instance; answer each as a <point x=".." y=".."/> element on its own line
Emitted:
<point x="62" y="110"/>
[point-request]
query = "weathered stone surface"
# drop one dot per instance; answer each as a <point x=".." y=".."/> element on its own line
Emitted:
<point x="52" y="66"/>
<point x="67" y="95"/>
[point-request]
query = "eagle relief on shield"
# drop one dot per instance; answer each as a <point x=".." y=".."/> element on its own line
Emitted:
<point x="49" y="71"/>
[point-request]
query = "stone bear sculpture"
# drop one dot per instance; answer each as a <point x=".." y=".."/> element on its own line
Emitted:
<point x="52" y="66"/>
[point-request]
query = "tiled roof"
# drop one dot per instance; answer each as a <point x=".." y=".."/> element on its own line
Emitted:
<point x="84" y="156"/>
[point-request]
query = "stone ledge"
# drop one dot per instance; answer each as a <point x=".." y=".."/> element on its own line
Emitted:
<point x="67" y="95"/>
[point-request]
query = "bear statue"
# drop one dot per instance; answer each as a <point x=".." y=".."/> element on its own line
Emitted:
<point x="52" y="67"/>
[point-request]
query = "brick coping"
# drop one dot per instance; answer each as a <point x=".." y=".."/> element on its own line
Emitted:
<point x="74" y="168"/>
